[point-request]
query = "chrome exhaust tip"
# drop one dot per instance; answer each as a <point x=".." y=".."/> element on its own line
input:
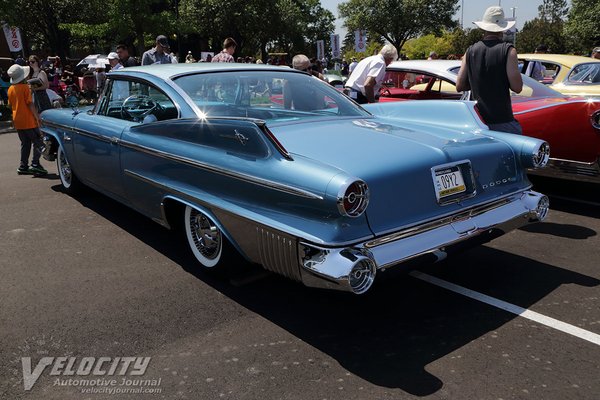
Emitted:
<point x="538" y="205"/>
<point x="350" y="270"/>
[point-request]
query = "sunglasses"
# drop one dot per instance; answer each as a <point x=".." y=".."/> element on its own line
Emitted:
<point x="32" y="61"/>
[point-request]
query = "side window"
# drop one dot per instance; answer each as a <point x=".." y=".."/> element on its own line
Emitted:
<point x="136" y="101"/>
<point x="586" y="73"/>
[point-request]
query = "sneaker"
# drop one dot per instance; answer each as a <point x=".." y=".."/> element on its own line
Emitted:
<point x="23" y="171"/>
<point x="37" y="170"/>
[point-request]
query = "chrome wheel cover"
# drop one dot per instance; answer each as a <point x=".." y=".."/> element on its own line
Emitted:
<point x="64" y="169"/>
<point x="204" y="237"/>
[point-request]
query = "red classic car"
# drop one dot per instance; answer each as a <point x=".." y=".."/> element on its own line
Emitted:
<point x="570" y="124"/>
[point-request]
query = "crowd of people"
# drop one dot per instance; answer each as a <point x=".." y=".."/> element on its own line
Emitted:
<point x="36" y="85"/>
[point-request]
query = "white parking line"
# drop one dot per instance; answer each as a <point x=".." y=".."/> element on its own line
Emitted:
<point x="523" y="312"/>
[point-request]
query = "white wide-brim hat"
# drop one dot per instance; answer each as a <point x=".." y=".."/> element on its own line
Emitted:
<point x="17" y="73"/>
<point x="493" y="20"/>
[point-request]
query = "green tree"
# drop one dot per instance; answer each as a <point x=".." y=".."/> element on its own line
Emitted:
<point x="281" y="25"/>
<point x="540" y="31"/>
<point x="546" y="29"/>
<point x="553" y="10"/>
<point x="583" y="25"/>
<point x="399" y="20"/>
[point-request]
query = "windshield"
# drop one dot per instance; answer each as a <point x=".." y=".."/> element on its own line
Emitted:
<point x="267" y="95"/>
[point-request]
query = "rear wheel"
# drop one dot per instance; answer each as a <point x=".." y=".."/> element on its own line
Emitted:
<point x="205" y="239"/>
<point x="68" y="180"/>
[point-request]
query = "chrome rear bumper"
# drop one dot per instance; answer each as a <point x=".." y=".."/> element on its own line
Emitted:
<point x="571" y="170"/>
<point x="354" y="269"/>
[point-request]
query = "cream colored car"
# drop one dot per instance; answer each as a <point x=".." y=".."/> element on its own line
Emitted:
<point x="570" y="75"/>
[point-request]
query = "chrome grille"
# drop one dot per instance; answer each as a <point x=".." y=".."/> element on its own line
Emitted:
<point x="278" y="253"/>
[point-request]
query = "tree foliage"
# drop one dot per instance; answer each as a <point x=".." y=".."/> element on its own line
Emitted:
<point x="583" y="25"/>
<point x="553" y="11"/>
<point x="540" y="31"/>
<point x="66" y="26"/>
<point x="399" y="20"/>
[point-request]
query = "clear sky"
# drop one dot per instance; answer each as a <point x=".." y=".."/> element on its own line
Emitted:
<point x="473" y="11"/>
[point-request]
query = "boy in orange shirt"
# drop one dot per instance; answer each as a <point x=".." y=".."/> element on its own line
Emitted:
<point x="25" y="120"/>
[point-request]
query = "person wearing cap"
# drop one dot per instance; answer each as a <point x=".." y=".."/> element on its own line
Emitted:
<point x="226" y="55"/>
<point x="596" y="53"/>
<point x="25" y="120"/>
<point x="159" y="54"/>
<point x="490" y="70"/>
<point x="113" y="60"/>
<point x="368" y="75"/>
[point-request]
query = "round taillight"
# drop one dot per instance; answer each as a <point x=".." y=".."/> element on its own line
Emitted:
<point x="595" y="119"/>
<point x="353" y="199"/>
<point x="541" y="155"/>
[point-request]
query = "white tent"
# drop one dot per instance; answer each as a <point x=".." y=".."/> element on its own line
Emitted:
<point x="95" y="61"/>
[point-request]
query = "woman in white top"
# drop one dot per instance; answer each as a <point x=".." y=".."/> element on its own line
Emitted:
<point x="39" y="83"/>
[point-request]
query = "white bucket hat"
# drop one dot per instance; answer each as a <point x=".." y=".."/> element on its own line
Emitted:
<point x="17" y="73"/>
<point x="493" y="20"/>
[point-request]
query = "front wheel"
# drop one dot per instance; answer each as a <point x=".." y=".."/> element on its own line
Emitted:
<point x="68" y="180"/>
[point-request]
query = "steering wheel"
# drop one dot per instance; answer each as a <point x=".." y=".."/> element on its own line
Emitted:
<point x="137" y="107"/>
<point x="385" y="92"/>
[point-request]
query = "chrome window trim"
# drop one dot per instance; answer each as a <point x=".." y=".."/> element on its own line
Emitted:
<point x="131" y="78"/>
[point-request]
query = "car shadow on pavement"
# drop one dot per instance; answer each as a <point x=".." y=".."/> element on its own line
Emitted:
<point x="561" y="230"/>
<point x="390" y="335"/>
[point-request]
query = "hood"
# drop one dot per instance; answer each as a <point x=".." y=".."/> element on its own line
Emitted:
<point x="396" y="159"/>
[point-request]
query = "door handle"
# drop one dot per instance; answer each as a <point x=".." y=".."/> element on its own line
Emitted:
<point x="114" y="140"/>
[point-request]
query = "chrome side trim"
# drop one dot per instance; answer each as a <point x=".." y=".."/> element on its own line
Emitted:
<point x="225" y="172"/>
<point x="83" y="132"/>
<point x="278" y="253"/>
<point x="54" y="125"/>
<point x="549" y="106"/>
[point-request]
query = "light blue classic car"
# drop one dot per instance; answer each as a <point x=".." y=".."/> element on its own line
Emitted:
<point x="284" y="170"/>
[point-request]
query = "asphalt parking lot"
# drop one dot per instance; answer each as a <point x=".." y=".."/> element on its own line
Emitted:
<point x="84" y="277"/>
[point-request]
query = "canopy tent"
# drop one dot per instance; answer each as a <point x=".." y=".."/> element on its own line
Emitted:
<point x="94" y="61"/>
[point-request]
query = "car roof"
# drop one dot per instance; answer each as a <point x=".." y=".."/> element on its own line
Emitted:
<point x="564" y="59"/>
<point x="168" y="71"/>
<point x="439" y="67"/>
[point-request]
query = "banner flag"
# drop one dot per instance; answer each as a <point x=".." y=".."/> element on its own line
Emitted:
<point x="13" y="38"/>
<point x="320" y="49"/>
<point x="360" y="41"/>
<point x="335" y="46"/>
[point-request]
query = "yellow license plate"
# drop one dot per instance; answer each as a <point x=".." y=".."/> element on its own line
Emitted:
<point x="449" y="181"/>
